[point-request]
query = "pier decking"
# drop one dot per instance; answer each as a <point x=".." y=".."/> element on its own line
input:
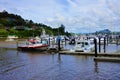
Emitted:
<point x="90" y="53"/>
<point x="106" y="57"/>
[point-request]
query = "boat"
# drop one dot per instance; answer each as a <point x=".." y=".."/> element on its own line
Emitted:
<point x="84" y="46"/>
<point x="34" y="45"/>
<point x="11" y="38"/>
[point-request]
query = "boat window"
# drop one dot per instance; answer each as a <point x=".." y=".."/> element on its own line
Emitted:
<point x="79" y="43"/>
<point x="83" y="43"/>
<point x="86" y="43"/>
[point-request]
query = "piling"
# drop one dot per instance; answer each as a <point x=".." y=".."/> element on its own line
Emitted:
<point x="49" y="41"/>
<point x="17" y="44"/>
<point x="116" y="40"/>
<point x="99" y="45"/>
<point x="107" y="40"/>
<point x="95" y="42"/>
<point x="104" y="45"/>
<point x="65" y="40"/>
<point x="59" y="45"/>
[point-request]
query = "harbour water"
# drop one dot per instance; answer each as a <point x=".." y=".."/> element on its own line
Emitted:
<point x="20" y="65"/>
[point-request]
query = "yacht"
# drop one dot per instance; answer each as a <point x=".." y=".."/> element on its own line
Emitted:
<point x="84" y="46"/>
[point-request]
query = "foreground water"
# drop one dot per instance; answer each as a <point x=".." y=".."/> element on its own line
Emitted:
<point x="17" y="65"/>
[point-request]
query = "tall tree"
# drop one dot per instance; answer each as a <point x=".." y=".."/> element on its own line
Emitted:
<point x="62" y="29"/>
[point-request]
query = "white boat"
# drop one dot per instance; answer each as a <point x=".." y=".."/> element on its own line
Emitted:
<point x="11" y="38"/>
<point x="84" y="46"/>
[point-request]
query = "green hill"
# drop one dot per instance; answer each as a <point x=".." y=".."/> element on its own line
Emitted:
<point x="12" y="23"/>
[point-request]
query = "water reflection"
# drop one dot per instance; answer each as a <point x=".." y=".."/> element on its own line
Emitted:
<point x="96" y="69"/>
<point x="59" y="57"/>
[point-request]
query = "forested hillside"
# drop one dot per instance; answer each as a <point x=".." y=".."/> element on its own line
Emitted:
<point x="15" y="24"/>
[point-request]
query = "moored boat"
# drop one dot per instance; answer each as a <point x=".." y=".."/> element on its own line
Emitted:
<point x="84" y="46"/>
<point x="34" y="45"/>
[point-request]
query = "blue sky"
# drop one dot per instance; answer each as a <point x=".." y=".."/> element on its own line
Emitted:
<point x="78" y="16"/>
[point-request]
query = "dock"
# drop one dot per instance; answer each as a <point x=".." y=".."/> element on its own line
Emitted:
<point x="90" y="53"/>
<point x="104" y="57"/>
<point x="107" y="59"/>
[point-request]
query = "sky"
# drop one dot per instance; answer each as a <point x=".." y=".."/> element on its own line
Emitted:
<point x="78" y="16"/>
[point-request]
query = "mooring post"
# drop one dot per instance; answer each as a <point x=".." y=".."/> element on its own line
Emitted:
<point x="17" y="44"/>
<point x="95" y="42"/>
<point x="65" y="40"/>
<point x="107" y="39"/>
<point x="58" y="44"/>
<point x="104" y="44"/>
<point x="116" y="40"/>
<point x="49" y="41"/>
<point x="99" y="45"/>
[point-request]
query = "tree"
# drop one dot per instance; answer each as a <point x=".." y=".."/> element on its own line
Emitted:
<point x="62" y="30"/>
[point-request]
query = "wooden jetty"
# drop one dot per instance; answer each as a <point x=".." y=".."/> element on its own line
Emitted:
<point x="90" y="53"/>
<point x="107" y="59"/>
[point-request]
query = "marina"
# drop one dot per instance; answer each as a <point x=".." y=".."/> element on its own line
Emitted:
<point x="58" y="66"/>
<point x="60" y="40"/>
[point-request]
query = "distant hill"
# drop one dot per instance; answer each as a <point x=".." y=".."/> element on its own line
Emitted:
<point x="105" y="31"/>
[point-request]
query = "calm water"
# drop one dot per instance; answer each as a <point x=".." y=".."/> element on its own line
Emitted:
<point x="18" y="65"/>
<point x="44" y="66"/>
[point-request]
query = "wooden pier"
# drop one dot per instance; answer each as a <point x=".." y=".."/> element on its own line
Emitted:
<point x="107" y="59"/>
<point x="90" y="53"/>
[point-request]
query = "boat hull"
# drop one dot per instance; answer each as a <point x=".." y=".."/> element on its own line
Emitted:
<point x="41" y="48"/>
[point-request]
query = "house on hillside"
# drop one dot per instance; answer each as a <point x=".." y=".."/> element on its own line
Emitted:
<point x="34" y="27"/>
<point x="20" y="28"/>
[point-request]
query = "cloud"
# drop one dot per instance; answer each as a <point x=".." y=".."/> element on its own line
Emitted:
<point x="77" y="15"/>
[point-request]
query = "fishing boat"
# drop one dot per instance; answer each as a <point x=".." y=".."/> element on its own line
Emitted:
<point x="34" y="45"/>
<point x="84" y="46"/>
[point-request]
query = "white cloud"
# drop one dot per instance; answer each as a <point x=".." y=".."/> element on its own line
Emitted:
<point x="76" y="15"/>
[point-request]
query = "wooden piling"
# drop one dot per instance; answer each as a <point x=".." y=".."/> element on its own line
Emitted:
<point x="65" y="40"/>
<point x="17" y="44"/>
<point x="99" y="45"/>
<point x="116" y="40"/>
<point x="104" y="44"/>
<point x="59" y="45"/>
<point x="95" y="42"/>
<point x="49" y="41"/>
<point x="107" y="40"/>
